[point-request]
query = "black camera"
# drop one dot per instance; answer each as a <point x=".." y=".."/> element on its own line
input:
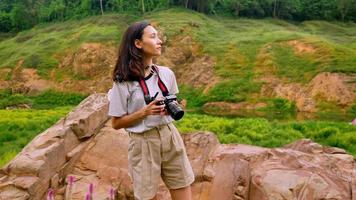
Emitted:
<point x="172" y="106"/>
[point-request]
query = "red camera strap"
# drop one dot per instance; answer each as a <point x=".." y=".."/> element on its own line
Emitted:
<point x="161" y="86"/>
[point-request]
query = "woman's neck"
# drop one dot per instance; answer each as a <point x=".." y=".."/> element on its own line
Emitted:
<point x="147" y="62"/>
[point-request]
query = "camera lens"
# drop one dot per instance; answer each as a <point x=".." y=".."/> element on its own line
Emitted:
<point x="175" y="110"/>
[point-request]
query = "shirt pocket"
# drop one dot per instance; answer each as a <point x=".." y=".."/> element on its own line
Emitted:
<point x="136" y="99"/>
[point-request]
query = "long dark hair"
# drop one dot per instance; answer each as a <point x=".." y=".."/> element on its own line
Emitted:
<point x="129" y="64"/>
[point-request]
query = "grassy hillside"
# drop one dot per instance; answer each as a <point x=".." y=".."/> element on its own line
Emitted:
<point x="42" y="46"/>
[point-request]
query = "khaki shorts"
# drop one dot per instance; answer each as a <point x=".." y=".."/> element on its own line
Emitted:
<point x="158" y="153"/>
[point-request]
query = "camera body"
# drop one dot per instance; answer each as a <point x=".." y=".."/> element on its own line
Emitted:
<point x="172" y="106"/>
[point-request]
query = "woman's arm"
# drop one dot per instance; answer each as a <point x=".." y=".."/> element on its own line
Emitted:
<point x="135" y="117"/>
<point x="127" y="120"/>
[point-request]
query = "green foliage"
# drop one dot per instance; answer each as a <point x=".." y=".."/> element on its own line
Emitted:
<point x="345" y="140"/>
<point x="283" y="105"/>
<point x="50" y="98"/>
<point x="5" y="22"/>
<point x="45" y="100"/>
<point x="326" y="132"/>
<point x="234" y="90"/>
<point x="194" y="97"/>
<point x="261" y="132"/>
<point x="352" y="110"/>
<point x="54" y="11"/>
<point x="21" y="17"/>
<point x="26" y="13"/>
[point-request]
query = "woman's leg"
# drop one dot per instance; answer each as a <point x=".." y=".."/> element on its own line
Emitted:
<point x="181" y="193"/>
<point x="154" y="198"/>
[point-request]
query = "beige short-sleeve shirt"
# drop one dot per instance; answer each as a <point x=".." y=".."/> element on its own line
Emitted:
<point x="127" y="97"/>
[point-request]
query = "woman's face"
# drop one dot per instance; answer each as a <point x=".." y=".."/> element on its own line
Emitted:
<point x="150" y="42"/>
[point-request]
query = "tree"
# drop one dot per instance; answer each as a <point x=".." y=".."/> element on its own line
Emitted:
<point x="85" y="8"/>
<point x="56" y="10"/>
<point x="101" y="7"/>
<point x="344" y="6"/>
<point x="239" y="5"/>
<point x="20" y="17"/>
<point x="5" y="22"/>
<point x="318" y="9"/>
<point x="143" y="6"/>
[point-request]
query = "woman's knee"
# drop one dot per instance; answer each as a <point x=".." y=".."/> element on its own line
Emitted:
<point x="181" y="193"/>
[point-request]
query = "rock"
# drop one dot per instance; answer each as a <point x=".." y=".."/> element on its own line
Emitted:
<point x="295" y="92"/>
<point x="290" y="174"/>
<point x="103" y="163"/>
<point x="232" y="182"/>
<point x="85" y="146"/>
<point x="13" y="193"/>
<point x="88" y="115"/>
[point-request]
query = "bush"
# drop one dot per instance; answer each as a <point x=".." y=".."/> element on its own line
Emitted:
<point x="51" y="98"/>
<point x="45" y="100"/>
<point x="7" y="137"/>
<point x="326" y="132"/>
<point x="194" y="97"/>
<point x="13" y="100"/>
<point x="352" y="109"/>
<point x="280" y="104"/>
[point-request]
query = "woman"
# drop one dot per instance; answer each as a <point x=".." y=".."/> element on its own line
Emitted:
<point x="156" y="148"/>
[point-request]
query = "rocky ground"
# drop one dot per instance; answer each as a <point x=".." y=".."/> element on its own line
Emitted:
<point x="82" y="150"/>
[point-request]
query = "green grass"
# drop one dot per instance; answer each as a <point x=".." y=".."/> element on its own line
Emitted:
<point x="195" y="97"/>
<point x="45" y="100"/>
<point x="261" y="132"/>
<point x="294" y="68"/>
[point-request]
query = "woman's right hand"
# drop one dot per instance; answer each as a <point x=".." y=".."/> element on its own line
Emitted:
<point x="152" y="108"/>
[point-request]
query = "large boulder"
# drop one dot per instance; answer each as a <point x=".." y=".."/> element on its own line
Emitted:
<point x="85" y="149"/>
